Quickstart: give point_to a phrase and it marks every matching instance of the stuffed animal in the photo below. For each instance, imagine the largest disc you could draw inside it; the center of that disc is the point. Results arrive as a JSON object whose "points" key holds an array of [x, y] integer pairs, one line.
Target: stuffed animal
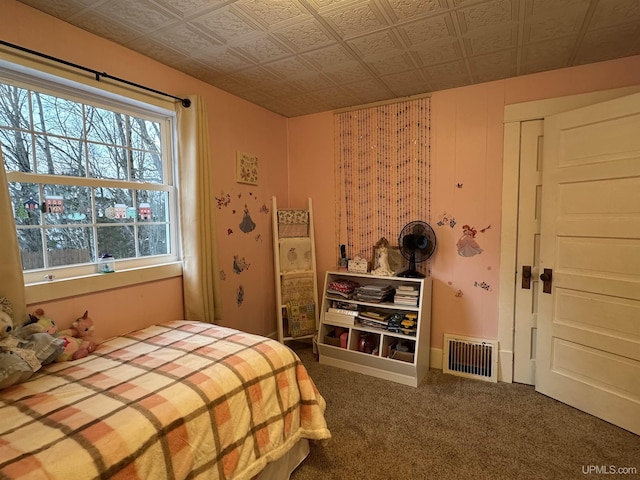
{"points": [[6, 325], [82, 328], [39, 323], [73, 348], [20, 357]]}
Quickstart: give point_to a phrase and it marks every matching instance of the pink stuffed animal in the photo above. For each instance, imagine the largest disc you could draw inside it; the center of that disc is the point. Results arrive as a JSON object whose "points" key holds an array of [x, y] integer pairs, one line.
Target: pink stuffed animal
{"points": [[81, 330]]}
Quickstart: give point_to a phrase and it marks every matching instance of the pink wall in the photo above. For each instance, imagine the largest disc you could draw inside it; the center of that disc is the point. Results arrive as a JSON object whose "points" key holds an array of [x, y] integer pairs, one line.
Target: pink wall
{"points": [[311, 175], [467, 144], [121, 310], [235, 125]]}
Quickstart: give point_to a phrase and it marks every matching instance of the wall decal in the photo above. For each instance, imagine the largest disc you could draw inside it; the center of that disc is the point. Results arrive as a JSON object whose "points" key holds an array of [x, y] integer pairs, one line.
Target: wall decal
{"points": [[247, 225], [229, 231], [240, 295], [482, 230], [31, 205], [76, 216], [259, 238], [53, 204], [264, 209], [467, 245], [144, 211], [483, 285], [223, 275], [224, 200], [459, 294], [444, 219], [246, 168], [459, 185], [239, 264]]}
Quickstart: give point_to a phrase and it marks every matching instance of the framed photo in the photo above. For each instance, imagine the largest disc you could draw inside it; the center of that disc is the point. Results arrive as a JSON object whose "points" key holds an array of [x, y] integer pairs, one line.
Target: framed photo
{"points": [[396, 260], [246, 168]]}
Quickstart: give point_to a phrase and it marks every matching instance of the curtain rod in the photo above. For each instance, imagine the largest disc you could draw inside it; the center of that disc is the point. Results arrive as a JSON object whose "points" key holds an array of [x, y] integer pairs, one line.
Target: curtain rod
{"points": [[185, 101]]}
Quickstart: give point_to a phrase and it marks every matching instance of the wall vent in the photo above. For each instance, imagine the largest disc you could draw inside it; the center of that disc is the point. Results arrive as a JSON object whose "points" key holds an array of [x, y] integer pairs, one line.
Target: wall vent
{"points": [[470, 357]]}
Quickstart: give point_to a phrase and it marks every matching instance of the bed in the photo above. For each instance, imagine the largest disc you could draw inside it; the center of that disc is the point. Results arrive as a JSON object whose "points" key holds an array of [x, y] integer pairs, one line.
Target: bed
{"points": [[177, 400]]}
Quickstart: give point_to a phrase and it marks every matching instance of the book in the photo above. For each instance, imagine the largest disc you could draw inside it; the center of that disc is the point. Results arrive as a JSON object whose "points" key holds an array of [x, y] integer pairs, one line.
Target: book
{"points": [[407, 291], [374, 315], [406, 302], [339, 319], [343, 311]]}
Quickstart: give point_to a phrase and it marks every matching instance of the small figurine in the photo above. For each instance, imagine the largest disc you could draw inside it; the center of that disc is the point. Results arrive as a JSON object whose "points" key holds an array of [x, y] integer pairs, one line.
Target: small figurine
{"points": [[383, 269]]}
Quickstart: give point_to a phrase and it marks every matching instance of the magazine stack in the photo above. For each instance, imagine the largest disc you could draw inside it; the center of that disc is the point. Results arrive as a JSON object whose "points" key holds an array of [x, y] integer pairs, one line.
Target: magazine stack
{"points": [[406, 295]]}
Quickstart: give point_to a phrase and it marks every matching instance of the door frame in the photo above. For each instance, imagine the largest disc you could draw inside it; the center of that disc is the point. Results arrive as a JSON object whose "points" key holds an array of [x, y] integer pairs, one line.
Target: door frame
{"points": [[513, 116]]}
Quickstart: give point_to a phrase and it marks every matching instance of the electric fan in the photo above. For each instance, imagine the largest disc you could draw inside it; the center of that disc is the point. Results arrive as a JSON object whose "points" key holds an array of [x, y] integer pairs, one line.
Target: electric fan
{"points": [[417, 242]]}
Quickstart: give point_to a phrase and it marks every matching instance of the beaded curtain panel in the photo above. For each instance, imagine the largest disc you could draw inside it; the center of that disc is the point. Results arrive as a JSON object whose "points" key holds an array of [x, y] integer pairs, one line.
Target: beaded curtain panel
{"points": [[383, 164]]}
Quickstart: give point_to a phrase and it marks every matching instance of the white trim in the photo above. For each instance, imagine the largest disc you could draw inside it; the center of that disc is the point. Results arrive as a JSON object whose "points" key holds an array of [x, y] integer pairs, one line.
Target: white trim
{"points": [[551, 106], [505, 366], [57, 289], [435, 358], [513, 115], [508, 244]]}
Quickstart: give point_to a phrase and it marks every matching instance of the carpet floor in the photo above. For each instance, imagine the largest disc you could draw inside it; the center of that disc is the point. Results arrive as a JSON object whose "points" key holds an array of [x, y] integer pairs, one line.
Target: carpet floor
{"points": [[457, 428]]}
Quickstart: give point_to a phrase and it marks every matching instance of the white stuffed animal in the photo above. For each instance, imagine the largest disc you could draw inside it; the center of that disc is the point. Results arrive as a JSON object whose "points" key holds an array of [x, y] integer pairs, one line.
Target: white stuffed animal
{"points": [[20, 357]]}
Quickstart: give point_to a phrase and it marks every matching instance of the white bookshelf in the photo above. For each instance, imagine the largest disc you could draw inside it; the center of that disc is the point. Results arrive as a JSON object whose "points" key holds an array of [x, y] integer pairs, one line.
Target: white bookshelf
{"points": [[405, 368]]}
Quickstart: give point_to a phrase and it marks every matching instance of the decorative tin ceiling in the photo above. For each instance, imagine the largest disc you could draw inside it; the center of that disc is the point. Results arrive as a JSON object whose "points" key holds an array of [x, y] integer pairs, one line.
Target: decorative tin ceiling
{"points": [[296, 57]]}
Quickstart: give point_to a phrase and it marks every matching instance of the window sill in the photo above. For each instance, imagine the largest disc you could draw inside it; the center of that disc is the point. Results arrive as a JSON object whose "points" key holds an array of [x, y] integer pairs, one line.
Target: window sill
{"points": [[57, 289]]}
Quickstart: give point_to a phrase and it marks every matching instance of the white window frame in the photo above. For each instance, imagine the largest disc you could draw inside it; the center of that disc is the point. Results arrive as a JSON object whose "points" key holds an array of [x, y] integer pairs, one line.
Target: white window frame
{"points": [[59, 282]]}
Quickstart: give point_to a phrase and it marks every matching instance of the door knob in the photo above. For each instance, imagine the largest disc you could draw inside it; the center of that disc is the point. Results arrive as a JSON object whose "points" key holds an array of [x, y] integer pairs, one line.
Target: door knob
{"points": [[546, 278]]}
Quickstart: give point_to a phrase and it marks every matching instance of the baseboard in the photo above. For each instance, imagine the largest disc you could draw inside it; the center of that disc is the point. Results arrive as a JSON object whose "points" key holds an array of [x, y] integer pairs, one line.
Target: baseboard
{"points": [[435, 358], [505, 366]]}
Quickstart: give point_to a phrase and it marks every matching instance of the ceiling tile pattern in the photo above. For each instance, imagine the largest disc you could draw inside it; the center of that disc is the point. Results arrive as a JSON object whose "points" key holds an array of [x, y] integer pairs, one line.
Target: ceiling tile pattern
{"points": [[297, 57]]}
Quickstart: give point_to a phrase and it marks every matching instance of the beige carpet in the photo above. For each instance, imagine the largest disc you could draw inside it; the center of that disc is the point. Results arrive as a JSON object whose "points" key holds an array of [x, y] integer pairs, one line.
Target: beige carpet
{"points": [[456, 428]]}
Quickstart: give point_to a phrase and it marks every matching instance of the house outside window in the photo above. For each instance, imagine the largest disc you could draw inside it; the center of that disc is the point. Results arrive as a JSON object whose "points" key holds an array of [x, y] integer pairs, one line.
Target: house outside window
{"points": [[87, 175]]}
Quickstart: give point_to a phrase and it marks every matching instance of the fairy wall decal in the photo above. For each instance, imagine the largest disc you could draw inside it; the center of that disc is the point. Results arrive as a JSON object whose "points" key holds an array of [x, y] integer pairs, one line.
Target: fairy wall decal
{"points": [[467, 245]]}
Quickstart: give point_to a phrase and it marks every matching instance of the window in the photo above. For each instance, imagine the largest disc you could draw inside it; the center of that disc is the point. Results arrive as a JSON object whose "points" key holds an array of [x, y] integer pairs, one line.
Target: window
{"points": [[88, 175]]}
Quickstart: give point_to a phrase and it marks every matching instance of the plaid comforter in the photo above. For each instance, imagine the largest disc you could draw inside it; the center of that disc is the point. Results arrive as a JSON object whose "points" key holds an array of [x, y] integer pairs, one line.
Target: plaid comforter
{"points": [[177, 400]]}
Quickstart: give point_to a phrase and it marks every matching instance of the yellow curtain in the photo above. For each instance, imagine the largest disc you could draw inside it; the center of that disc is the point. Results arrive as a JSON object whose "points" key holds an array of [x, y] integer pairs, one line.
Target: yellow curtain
{"points": [[199, 245], [11, 278]]}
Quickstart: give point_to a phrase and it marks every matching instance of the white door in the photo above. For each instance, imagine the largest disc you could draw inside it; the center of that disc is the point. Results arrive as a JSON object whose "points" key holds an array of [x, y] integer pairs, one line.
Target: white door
{"points": [[588, 341], [528, 253]]}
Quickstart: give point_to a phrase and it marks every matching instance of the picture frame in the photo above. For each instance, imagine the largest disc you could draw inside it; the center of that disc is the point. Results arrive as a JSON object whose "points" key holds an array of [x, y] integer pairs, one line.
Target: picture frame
{"points": [[246, 168], [396, 260]]}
